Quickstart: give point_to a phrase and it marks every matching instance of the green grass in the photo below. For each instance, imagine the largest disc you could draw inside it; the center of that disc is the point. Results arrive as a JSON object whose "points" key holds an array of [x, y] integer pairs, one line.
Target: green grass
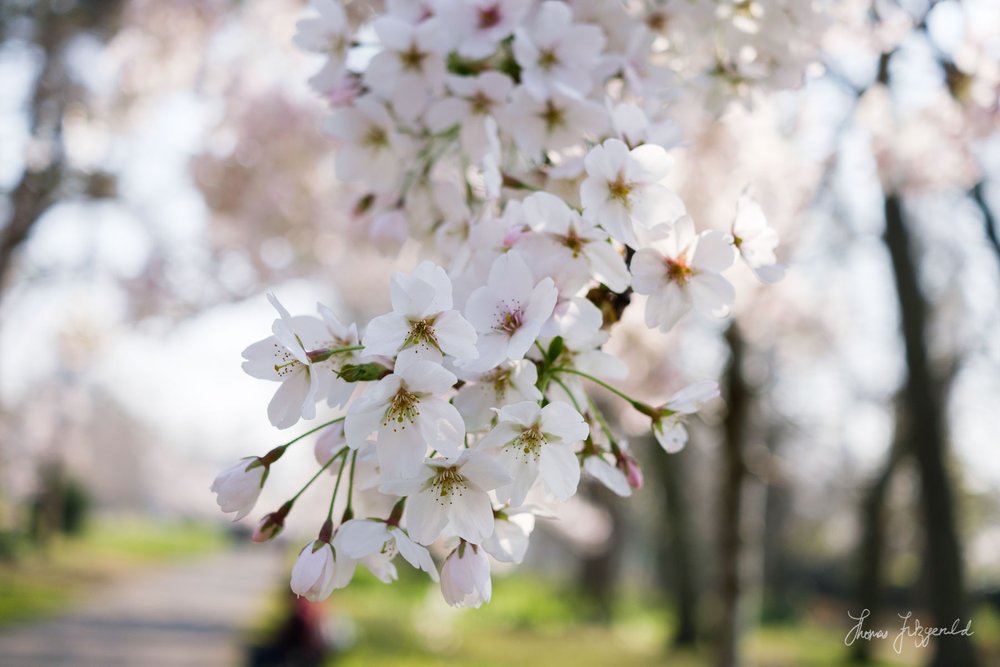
{"points": [[535, 623], [43, 582]]}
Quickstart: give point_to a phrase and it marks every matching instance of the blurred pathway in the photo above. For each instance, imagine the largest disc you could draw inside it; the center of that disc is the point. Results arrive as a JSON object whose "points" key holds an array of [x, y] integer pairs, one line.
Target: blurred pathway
{"points": [[192, 614]]}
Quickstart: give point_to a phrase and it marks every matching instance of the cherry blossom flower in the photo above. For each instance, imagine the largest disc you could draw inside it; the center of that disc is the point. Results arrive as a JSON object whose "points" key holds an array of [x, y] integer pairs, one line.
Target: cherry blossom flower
{"points": [[532, 443], [554, 53], [622, 191], [512, 528], [319, 570], [303, 356], [473, 100], [422, 322], [682, 271], [578, 243], [410, 415], [555, 122], [509, 311], [360, 538], [510, 382], [756, 240], [372, 150], [669, 429], [329, 34], [452, 496], [480, 25], [411, 66], [238, 486], [465, 577]]}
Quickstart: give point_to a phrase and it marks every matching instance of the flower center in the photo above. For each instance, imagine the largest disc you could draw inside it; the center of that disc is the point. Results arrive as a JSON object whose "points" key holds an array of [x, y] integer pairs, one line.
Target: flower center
{"points": [[404, 407], [619, 190], [678, 271], [528, 444], [489, 17], [553, 116], [412, 59], [510, 319], [422, 333], [375, 137], [447, 484], [548, 59], [573, 241], [480, 104], [285, 361], [500, 379]]}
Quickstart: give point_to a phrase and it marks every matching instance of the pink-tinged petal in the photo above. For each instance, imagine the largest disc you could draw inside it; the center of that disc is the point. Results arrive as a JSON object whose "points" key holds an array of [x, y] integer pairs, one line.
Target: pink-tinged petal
{"points": [[525, 472], [593, 193], [441, 426], [291, 398], [483, 471], [648, 271], [648, 163], [608, 475], [359, 538], [446, 113], [547, 212], [608, 265], [713, 253], [559, 470], [471, 516], [671, 435], [511, 277], [769, 274], [712, 294], [385, 335], [260, 359], [401, 450], [481, 309], [563, 422], [422, 376], [414, 554], [523, 414], [690, 398], [455, 335], [656, 205], [501, 434], [426, 516], [394, 33]]}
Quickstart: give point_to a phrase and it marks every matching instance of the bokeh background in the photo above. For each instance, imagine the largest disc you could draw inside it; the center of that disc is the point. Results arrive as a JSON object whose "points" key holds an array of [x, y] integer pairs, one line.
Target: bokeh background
{"points": [[162, 165]]}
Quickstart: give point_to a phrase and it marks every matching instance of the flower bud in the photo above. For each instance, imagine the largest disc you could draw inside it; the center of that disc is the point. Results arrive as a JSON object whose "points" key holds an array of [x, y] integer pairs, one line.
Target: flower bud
{"points": [[465, 577], [238, 487], [633, 473], [271, 524], [317, 571]]}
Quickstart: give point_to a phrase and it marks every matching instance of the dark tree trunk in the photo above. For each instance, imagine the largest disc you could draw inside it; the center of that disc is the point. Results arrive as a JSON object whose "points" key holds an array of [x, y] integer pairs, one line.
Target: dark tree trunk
{"points": [[871, 551], [926, 441], [738, 397], [676, 546], [599, 570]]}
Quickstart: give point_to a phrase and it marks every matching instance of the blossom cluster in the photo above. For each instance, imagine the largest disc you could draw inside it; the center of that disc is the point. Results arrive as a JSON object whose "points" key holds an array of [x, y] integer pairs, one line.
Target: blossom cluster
{"points": [[524, 147]]}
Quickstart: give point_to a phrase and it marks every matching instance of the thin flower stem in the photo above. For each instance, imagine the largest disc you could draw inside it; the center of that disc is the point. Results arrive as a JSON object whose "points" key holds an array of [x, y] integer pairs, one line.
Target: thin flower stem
{"points": [[639, 405], [349, 511], [336, 485], [572, 398], [278, 451], [313, 430], [317, 356], [599, 416], [318, 473]]}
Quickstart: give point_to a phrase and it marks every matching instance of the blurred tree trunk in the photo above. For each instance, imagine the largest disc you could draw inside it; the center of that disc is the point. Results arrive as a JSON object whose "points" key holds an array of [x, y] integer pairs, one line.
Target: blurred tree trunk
{"points": [[599, 571], [738, 397], [778, 604], [676, 545], [871, 552], [926, 441]]}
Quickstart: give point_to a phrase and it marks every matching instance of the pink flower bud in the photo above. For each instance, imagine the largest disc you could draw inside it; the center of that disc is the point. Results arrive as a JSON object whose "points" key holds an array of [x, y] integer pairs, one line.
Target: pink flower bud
{"points": [[632, 472]]}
